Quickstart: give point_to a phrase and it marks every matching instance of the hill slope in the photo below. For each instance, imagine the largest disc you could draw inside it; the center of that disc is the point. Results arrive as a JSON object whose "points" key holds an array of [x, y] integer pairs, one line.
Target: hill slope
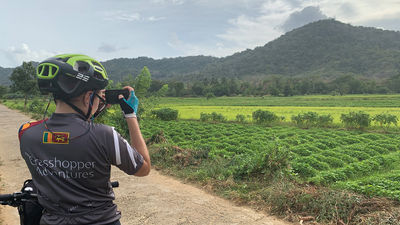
{"points": [[326, 47], [160, 69]]}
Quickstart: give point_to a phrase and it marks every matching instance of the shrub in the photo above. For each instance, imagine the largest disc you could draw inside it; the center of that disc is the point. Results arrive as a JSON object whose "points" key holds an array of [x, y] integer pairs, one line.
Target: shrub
{"points": [[37, 106], [385, 119], [325, 120], [215, 117], [264, 117], [205, 116], [209, 95], [312, 119], [240, 118], [270, 161], [356, 120], [165, 114], [306, 119]]}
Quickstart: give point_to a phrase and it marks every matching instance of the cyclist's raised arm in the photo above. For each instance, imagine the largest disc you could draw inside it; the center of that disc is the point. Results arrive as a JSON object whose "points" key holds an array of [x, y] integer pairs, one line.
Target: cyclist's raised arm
{"points": [[129, 107], [139, 144]]}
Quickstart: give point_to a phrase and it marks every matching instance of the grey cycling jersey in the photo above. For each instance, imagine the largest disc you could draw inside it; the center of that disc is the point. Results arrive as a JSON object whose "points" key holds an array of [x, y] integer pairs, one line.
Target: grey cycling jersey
{"points": [[73, 175]]}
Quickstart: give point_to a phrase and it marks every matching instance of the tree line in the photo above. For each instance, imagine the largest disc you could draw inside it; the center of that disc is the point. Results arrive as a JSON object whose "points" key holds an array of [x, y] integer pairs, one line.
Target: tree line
{"points": [[280, 86], [23, 84]]}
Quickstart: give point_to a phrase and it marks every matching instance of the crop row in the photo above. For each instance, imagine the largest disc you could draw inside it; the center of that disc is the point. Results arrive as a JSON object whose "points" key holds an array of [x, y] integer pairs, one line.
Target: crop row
{"points": [[384, 184], [314, 152]]}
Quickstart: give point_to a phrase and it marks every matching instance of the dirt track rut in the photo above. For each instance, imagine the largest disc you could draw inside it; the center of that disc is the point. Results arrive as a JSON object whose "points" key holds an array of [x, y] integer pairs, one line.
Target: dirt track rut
{"points": [[155, 199]]}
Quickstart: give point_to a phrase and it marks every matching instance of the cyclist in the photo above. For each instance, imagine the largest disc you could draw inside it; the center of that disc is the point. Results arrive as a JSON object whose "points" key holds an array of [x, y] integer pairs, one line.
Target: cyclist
{"points": [[68, 156]]}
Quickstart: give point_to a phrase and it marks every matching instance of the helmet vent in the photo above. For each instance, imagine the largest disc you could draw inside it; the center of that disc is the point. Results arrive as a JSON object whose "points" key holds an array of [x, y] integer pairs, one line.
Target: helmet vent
{"points": [[81, 66], [97, 64], [64, 59], [45, 71], [97, 74]]}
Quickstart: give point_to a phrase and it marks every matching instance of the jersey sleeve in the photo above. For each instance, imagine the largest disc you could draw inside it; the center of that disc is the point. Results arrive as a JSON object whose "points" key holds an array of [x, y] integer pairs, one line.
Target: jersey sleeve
{"points": [[26, 126], [122, 154]]}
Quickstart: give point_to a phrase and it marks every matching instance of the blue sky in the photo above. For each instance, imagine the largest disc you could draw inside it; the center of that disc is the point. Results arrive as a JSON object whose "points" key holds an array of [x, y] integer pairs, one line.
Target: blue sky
{"points": [[107, 29]]}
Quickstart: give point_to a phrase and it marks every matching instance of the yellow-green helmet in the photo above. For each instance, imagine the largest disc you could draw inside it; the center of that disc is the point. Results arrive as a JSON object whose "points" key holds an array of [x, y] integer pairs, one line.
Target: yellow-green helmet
{"points": [[69, 75]]}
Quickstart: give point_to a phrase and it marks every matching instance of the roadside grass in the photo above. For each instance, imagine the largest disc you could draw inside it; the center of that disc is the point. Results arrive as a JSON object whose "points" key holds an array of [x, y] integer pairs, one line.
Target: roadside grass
{"points": [[35, 107], [276, 193]]}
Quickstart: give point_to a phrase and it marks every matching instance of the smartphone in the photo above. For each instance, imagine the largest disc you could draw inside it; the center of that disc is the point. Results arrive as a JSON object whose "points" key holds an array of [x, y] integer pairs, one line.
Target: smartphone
{"points": [[112, 95]]}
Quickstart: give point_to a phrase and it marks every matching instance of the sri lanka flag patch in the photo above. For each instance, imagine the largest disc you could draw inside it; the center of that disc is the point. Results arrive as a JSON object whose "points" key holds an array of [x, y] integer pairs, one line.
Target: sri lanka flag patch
{"points": [[55, 137]]}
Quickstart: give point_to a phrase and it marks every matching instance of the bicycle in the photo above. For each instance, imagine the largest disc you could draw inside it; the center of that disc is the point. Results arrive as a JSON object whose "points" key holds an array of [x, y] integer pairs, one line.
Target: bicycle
{"points": [[29, 209]]}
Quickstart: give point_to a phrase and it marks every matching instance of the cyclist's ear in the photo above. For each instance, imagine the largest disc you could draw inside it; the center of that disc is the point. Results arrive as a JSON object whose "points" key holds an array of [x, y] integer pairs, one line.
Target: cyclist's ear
{"points": [[86, 97]]}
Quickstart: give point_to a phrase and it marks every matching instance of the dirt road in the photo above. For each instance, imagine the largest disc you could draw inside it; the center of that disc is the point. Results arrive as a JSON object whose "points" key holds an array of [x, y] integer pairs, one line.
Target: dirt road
{"points": [[155, 199]]}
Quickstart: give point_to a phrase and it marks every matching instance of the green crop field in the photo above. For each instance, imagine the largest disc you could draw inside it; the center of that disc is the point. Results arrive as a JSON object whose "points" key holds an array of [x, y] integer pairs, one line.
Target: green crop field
{"points": [[230, 112], [363, 162], [385, 101], [191, 108]]}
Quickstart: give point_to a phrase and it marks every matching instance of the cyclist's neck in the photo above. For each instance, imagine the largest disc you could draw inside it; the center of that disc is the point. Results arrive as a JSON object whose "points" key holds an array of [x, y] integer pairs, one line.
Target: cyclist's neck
{"points": [[62, 107]]}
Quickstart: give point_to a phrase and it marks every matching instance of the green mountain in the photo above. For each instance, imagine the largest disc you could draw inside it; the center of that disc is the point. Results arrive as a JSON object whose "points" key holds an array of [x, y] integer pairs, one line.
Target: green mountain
{"points": [[327, 48], [162, 69]]}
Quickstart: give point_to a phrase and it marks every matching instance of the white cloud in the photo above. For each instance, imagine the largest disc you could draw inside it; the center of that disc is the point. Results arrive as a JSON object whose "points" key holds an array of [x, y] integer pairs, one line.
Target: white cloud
{"points": [[299, 18], [128, 17], [362, 11], [104, 47], [174, 2], [153, 18], [17, 55], [276, 7], [110, 48], [245, 31], [122, 16], [249, 32], [217, 49]]}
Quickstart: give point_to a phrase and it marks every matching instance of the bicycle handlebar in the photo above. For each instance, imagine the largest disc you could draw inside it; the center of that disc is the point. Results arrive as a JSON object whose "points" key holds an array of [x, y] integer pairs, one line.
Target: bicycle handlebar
{"points": [[6, 197], [16, 198], [115, 184]]}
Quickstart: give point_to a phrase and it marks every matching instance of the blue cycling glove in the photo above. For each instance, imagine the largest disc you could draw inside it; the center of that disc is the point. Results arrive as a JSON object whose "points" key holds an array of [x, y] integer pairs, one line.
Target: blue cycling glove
{"points": [[130, 106]]}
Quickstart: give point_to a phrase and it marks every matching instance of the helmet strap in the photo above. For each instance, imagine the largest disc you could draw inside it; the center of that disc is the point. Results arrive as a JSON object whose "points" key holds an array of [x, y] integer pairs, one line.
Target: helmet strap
{"points": [[78, 110], [90, 104]]}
